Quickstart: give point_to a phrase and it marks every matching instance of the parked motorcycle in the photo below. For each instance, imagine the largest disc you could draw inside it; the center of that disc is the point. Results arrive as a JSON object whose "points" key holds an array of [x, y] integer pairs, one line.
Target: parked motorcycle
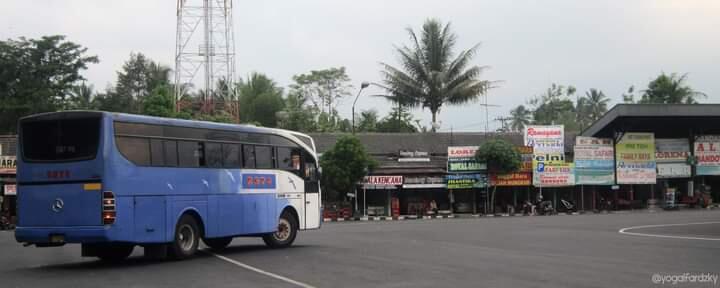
{"points": [[545, 208], [567, 206]]}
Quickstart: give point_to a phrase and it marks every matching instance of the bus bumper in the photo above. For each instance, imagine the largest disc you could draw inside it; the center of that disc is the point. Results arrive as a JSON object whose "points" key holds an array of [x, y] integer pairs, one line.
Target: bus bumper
{"points": [[55, 236]]}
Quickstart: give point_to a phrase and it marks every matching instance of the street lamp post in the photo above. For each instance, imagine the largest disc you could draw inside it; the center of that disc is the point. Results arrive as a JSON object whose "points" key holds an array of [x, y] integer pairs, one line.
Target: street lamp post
{"points": [[363, 85]]}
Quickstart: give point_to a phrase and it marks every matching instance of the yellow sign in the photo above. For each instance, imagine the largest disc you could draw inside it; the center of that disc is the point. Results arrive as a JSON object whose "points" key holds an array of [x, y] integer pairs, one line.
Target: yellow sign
{"points": [[8, 164]]}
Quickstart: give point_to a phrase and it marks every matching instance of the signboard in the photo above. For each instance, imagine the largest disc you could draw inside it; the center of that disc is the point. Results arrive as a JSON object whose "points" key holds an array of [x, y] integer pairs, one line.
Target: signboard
{"points": [[635, 159], [671, 156], [707, 153], [466, 181], [556, 175], [462, 160], [526, 152], [673, 170], [10, 190], [424, 182], [258, 181], [413, 156], [8, 164], [594, 161], [671, 150], [383, 180], [550, 138], [512, 179]]}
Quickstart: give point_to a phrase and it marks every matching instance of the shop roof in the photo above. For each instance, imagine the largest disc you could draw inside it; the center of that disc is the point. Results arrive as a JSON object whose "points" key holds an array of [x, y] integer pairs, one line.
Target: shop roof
{"points": [[665, 120]]}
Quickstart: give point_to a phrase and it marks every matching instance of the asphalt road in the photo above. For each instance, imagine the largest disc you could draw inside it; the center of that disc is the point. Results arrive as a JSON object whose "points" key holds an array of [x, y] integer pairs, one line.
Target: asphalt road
{"points": [[550, 251]]}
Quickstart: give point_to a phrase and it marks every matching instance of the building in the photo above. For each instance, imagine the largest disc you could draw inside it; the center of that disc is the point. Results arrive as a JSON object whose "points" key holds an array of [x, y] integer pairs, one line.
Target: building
{"points": [[8, 160]]}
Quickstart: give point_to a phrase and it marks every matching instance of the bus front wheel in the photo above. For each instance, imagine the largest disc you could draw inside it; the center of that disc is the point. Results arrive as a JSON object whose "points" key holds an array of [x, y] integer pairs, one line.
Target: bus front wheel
{"points": [[187, 236], [286, 232], [217, 243]]}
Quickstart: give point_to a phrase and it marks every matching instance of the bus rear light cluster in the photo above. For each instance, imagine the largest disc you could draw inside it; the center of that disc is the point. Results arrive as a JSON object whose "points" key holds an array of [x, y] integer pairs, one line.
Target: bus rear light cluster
{"points": [[108, 205]]}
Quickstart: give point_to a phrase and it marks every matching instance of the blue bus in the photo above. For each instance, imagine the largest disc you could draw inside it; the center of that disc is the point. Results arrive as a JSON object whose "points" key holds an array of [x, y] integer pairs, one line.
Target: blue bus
{"points": [[112, 181]]}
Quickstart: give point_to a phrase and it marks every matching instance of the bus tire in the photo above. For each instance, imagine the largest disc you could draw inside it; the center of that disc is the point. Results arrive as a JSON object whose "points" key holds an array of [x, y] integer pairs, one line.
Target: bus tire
{"points": [[114, 253], [286, 233], [217, 243], [186, 239]]}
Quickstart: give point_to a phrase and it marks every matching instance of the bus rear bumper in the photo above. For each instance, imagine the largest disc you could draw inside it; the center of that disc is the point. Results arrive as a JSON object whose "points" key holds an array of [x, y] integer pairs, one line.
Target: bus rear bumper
{"points": [[55, 236]]}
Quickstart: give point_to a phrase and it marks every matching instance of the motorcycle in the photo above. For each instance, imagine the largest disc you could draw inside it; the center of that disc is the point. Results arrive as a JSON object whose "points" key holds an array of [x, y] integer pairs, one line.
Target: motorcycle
{"points": [[545, 208], [567, 206]]}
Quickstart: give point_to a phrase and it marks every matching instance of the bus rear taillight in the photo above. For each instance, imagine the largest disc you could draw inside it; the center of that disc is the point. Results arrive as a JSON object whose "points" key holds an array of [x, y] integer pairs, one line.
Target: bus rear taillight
{"points": [[108, 211]]}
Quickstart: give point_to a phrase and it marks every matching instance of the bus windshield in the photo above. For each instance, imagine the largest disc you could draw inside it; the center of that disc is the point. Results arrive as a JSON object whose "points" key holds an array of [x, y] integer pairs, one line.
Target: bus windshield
{"points": [[60, 140]]}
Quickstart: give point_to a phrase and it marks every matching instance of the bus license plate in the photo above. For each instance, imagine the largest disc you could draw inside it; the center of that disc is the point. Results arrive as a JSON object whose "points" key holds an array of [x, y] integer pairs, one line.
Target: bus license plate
{"points": [[57, 238]]}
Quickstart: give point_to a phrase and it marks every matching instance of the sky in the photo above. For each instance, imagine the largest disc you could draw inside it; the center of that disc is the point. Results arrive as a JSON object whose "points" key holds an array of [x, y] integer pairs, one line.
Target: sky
{"points": [[527, 45]]}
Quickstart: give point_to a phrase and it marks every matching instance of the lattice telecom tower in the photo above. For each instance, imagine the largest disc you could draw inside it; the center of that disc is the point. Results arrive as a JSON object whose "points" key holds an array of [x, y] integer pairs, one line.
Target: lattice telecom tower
{"points": [[205, 53]]}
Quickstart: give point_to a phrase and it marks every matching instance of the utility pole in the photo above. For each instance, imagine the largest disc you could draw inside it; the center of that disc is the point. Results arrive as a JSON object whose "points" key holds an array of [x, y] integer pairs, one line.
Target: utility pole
{"points": [[503, 122]]}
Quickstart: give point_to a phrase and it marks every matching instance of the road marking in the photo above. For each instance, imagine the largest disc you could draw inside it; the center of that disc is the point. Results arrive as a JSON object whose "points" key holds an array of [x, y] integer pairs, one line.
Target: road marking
{"points": [[624, 231], [263, 272]]}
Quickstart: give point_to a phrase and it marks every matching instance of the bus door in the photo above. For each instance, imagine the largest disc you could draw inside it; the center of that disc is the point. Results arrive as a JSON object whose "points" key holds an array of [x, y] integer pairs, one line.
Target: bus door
{"points": [[312, 192]]}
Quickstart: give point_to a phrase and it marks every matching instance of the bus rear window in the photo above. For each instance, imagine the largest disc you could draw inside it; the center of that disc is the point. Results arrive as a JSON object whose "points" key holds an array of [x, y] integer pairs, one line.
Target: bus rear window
{"points": [[60, 140]]}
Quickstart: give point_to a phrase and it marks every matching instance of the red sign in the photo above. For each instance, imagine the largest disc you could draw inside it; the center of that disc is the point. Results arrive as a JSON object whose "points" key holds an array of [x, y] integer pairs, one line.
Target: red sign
{"points": [[462, 152], [512, 179], [58, 174]]}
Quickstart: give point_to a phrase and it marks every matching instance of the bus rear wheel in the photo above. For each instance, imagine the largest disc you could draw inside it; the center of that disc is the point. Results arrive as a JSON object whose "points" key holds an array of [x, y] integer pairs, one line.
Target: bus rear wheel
{"points": [[286, 232], [217, 243], [187, 237], [114, 253]]}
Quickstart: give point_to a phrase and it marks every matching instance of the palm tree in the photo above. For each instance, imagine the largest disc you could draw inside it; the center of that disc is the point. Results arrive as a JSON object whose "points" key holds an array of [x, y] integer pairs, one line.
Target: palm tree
{"points": [[81, 97], [519, 118], [597, 104], [670, 89], [429, 77]]}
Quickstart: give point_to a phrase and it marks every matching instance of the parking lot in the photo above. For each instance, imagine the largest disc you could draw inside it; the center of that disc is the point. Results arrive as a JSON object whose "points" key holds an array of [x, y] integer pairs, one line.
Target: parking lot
{"points": [[553, 251]]}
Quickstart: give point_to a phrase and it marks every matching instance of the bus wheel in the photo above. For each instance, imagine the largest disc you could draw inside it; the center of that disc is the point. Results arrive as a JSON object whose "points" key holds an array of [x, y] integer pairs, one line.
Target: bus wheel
{"points": [[217, 243], [285, 234], [114, 253], [187, 236]]}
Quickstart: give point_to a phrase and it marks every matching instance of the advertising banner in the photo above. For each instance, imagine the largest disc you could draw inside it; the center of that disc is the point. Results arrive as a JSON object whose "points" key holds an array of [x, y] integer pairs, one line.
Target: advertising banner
{"points": [[526, 152], [466, 181], [707, 153], [671, 156], [594, 161], [8, 164], [512, 179], [462, 160], [10, 189], [635, 159], [383, 180], [557, 175], [549, 138]]}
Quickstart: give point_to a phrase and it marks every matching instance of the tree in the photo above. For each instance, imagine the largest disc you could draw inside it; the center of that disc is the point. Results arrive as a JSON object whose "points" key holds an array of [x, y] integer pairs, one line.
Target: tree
{"points": [[399, 120], [81, 97], [629, 96], [519, 118], [138, 78], [597, 103], [670, 89], [501, 157], [368, 121], [429, 76], [344, 165], [323, 87], [159, 103], [36, 75], [555, 107], [296, 115], [260, 100]]}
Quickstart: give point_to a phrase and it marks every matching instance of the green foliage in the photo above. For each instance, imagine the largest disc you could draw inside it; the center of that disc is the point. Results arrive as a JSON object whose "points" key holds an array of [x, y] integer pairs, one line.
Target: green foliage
{"points": [[218, 116], [554, 106], [296, 115], [519, 118], [344, 165], [500, 156], [81, 98], [260, 100], [591, 107], [137, 80], [368, 121], [323, 87], [429, 76], [159, 103], [37, 75], [670, 89]]}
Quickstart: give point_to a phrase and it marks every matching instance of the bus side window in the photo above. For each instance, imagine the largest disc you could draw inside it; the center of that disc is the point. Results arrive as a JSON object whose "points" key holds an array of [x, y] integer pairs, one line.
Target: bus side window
{"points": [[157, 155], [171, 155], [231, 155], [137, 150], [288, 159], [249, 156], [191, 154], [213, 155], [310, 169], [264, 157]]}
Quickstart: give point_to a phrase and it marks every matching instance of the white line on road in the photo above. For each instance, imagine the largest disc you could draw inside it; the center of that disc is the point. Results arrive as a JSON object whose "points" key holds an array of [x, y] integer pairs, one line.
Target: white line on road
{"points": [[624, 231], [263, 272]]}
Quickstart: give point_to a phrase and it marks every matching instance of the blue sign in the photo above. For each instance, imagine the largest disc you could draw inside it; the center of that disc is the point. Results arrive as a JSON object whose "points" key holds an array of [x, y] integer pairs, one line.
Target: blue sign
{"points": [[258, 181]]}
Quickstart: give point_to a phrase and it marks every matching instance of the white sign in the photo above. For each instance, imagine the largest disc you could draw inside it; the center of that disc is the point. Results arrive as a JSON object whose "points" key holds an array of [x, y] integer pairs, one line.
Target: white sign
{"points": [[383, 180], [462, 151], [671, 150], [548, 138], [10, 189], [673, 170]]}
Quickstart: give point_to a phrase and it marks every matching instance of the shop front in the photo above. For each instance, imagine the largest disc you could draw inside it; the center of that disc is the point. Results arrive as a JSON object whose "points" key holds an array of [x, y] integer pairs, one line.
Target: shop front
{"points": [[8, 193], [376, 193], [419, 192], [466, 181]]}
